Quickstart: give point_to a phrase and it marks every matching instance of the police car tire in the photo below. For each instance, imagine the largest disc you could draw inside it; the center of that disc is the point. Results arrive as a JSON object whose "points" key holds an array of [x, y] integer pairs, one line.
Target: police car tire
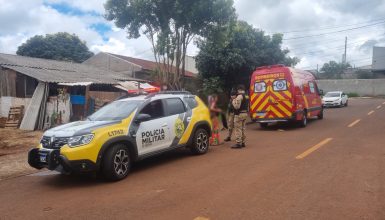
{"points": [[116, 162], [201, 136]]}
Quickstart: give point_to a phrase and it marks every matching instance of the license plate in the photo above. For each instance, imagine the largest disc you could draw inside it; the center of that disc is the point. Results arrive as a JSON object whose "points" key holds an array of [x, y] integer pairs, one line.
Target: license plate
{"points": [[43, 158], [260, 114]]}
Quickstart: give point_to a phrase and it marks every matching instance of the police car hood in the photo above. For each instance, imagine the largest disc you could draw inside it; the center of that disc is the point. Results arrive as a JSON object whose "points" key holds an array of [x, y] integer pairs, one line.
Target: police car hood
{"points": [[77, 128], [331, 98]]}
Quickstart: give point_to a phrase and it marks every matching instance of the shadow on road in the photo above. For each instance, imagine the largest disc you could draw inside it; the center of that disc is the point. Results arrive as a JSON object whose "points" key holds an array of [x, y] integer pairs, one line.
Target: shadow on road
{"points": [[57, 180], [279, 126]]}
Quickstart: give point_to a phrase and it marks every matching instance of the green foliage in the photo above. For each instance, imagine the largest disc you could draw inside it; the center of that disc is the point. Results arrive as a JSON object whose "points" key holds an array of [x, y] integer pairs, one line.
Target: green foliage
{"points": [[212, 85], [333, 70], [170, 25], [233, 53], [364, 74], [352, 94], [60, 46]]}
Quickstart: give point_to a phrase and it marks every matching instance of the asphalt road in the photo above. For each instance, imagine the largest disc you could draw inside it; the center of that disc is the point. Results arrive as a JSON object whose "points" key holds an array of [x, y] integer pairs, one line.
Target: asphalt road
{"points": [[332, 169]]}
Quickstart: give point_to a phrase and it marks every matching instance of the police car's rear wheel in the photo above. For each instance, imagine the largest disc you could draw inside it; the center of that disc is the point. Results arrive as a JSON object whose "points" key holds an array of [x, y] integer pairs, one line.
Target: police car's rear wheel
{"points": [[201, 142], [116, 163]]}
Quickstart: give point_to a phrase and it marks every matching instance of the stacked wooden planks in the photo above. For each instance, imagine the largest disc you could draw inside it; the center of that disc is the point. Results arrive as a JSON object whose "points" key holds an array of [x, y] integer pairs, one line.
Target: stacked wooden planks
{"points": [[14, 117]]}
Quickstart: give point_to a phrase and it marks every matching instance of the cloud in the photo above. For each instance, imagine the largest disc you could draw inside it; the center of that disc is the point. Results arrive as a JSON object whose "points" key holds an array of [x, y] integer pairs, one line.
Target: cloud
{"points": [[305, 17]]}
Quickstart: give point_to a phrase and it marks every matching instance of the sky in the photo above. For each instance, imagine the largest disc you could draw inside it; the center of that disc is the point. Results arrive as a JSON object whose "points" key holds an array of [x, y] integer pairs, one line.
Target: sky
{"points": [[314, 31]]}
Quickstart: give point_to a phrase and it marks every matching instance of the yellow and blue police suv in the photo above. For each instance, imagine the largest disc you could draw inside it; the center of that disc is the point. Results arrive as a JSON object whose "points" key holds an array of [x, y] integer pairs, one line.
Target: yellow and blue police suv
{"points": [[125, 131]]}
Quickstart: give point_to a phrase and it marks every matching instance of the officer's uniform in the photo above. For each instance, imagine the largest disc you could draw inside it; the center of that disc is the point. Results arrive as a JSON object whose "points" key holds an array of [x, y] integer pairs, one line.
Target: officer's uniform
{"points": [[240, 106], [230, 121]]}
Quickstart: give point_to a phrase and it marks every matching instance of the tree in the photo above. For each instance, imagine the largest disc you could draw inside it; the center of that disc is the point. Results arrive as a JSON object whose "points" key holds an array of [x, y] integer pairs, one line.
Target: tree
{"points": [[233, 53], [60, 46], [333, 70], [170, 25]]}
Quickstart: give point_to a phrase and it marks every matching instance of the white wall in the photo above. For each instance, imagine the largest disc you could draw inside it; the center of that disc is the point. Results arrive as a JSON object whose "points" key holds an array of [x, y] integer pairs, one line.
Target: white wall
{"points": [[363, 87], [63, 106], [6, 102]]}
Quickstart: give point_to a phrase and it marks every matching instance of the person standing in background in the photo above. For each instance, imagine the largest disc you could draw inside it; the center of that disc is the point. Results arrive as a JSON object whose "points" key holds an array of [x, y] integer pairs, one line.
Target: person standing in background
{"points": [[214, 113], [240, 106], [231, 110]]}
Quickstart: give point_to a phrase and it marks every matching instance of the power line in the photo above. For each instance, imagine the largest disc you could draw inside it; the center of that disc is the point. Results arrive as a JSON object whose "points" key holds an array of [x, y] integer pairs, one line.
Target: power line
{"points": [[333, 32], [326, 48], [330, 27]]}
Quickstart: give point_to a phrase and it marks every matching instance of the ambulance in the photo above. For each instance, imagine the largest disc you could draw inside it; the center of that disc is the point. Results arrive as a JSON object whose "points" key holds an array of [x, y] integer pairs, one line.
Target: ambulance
{"points": [[284, 94]]}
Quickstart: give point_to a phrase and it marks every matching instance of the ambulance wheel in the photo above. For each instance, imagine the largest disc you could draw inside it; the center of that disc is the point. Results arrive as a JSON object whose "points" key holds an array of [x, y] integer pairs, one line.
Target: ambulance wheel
{"points": [[263, 125], [116, 162], [321, 114], [346, 103], [201, 142], [303, 122]]}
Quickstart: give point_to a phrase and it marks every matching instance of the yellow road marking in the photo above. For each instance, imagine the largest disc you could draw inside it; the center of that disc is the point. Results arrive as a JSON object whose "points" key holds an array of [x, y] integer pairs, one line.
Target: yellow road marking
{"points": [[201, 218], [354, 123], [371, 112], [314, 148], [378, 107]]}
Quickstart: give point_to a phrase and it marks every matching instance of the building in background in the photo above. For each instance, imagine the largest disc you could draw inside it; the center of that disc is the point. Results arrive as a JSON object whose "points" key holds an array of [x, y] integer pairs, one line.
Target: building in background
{"points": [[142, 69], [378, 62], [54, 92]]}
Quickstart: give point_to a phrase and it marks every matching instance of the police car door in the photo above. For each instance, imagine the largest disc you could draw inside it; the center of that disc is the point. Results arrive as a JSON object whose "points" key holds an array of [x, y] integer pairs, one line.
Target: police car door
{"points": [[154, 134], [177, 119]]}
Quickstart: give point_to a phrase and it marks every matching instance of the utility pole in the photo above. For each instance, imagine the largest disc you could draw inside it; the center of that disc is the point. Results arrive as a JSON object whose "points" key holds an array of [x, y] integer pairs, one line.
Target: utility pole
{"points": [[344, 56]]}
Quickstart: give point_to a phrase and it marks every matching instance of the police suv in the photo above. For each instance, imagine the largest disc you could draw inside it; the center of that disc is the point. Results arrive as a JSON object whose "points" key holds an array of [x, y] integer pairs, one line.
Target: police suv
{"points": [[125, 131]]}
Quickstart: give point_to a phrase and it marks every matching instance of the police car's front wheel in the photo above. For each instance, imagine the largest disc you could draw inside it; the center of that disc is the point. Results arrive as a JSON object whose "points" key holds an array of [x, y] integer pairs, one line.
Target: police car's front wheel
{"points": [[116, 163], [201, 142]]}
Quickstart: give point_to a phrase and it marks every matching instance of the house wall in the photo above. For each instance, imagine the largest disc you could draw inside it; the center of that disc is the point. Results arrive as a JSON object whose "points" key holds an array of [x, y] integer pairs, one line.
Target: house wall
{"points": [[16, 84], [6, 102], [109, 62], [58, 106], [105, 96], [7, 82], [190, 64], [363, 87]]}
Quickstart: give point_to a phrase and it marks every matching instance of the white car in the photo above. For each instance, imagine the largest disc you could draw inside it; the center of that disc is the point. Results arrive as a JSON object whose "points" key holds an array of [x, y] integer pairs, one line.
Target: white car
{"points": [[335, 98]]}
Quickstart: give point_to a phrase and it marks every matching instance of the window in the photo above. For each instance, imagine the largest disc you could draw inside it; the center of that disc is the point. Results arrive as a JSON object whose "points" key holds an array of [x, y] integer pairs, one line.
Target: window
{"points": [[175, 106], [260, 87], [115, 111], [280, 85], [191, 102], [312, 87], [154, 109]]}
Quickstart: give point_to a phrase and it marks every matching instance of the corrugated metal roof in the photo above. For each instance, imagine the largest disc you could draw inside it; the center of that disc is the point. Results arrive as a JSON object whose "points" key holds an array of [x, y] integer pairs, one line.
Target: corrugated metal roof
{"points": [[60, 71]]}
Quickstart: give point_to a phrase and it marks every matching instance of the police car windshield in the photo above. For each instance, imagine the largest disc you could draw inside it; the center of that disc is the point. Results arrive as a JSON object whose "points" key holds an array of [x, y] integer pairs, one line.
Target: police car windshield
{"points": [[333, 94], [115, 111]]}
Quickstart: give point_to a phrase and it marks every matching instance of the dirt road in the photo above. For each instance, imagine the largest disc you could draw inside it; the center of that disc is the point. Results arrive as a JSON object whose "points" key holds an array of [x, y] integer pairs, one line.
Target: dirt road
{"points": [[14, 145], [333, 169]]}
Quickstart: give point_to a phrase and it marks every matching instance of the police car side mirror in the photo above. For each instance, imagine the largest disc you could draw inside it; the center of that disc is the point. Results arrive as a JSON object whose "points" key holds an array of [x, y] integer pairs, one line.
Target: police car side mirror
{"points": [[142, 117]]}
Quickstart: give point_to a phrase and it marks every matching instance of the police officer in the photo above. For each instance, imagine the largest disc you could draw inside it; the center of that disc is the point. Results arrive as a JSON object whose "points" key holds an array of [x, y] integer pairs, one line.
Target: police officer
{"points": [[231, 110], [240, 111]]}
